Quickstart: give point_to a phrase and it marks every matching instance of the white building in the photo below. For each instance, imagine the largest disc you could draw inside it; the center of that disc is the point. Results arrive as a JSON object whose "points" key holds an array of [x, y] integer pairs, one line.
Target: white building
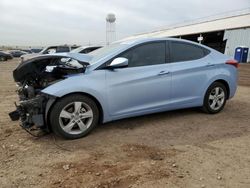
{"points": [[221, 32]]}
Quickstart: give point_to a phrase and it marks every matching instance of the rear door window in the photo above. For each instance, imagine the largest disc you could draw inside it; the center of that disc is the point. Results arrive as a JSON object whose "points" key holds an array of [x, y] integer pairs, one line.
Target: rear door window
{"points": [[183, 51]]}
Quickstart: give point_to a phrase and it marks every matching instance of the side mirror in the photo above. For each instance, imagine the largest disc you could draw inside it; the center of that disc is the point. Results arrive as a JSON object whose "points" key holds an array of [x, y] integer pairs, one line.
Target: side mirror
{"points": [[119, 62]]}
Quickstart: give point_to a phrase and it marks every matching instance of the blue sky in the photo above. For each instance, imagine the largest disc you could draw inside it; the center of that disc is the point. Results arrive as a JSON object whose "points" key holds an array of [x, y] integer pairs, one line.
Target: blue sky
{"points": [[47, 22]]}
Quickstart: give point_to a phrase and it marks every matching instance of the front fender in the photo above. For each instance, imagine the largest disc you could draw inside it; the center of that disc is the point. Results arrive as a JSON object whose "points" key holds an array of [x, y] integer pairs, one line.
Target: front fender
{"points": [[92, 84]]}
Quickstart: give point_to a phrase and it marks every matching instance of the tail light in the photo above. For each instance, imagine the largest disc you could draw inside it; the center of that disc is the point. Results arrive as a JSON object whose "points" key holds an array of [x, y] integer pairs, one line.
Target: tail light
{"points": [[233, 62]]}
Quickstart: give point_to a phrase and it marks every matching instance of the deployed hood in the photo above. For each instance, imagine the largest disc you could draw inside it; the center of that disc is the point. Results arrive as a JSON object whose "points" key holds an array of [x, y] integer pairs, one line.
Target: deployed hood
{"points": [[77, 56], [26, 57], [59, 64]]}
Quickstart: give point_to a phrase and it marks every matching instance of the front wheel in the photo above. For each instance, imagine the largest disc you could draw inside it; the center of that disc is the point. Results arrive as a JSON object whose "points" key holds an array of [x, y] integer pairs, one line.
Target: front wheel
{"points": [[74, 116], [215, 98]]}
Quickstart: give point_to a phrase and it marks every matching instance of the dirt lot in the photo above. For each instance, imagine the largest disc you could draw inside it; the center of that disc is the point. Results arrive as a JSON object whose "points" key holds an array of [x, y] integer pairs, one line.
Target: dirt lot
{"points": [[184, 148]]}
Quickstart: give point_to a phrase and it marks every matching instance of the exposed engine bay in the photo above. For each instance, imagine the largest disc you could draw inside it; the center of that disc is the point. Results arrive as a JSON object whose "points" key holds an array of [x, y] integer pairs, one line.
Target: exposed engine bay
{"points": [[34, 75]]}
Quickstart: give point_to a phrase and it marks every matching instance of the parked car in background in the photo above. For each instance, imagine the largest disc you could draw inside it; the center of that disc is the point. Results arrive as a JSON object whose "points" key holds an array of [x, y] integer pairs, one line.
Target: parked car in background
{"points": [[70, 93], [28, 51], [57, 49], [50, 50], [85, 49], [4, 56], [36, 50], [17, 53]]}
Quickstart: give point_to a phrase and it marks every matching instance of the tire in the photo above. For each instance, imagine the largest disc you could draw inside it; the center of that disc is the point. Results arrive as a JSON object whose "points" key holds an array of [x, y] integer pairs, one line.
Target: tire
{"points": [[74, 116], [3, 58], [215, 98]]}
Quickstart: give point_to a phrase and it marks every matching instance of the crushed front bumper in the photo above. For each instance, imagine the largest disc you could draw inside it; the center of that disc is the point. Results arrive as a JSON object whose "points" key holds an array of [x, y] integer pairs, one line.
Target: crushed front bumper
{"points": [[31, 112]]}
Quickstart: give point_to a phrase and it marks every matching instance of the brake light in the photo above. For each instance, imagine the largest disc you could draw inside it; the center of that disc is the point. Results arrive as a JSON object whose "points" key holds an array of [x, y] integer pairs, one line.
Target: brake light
{"points": [[233, 62]]}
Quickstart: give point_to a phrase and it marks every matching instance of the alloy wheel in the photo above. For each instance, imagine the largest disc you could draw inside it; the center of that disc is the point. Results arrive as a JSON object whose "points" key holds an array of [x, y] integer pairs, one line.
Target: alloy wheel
{"points": [[216, 98], [76, 117]]}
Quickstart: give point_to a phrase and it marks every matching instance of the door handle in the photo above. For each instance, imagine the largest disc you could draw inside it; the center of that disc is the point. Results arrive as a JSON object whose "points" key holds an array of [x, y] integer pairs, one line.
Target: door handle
{"points": [[163, 73]]}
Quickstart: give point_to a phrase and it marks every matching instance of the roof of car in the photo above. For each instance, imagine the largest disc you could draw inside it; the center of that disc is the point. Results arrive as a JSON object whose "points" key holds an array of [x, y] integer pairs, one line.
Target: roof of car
{"points": [[149, 39], [152, 39], [84, 47]]}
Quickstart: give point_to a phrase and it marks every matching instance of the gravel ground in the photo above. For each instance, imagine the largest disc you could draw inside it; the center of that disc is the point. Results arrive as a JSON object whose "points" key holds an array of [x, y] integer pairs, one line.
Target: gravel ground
{"points": [[184, 148]]}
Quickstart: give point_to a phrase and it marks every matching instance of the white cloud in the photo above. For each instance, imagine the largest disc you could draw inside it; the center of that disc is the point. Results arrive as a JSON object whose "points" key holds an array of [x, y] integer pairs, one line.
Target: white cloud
{"points": [[45, 22]]}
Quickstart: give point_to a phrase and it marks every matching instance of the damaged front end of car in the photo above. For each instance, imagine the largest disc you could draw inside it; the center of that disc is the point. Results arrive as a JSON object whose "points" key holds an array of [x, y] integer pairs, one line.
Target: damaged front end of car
{"points": [[30, 111], [34, 75]]}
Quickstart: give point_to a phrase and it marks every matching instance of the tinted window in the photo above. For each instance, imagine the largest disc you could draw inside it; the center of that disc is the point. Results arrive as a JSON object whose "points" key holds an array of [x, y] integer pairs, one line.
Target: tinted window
{"points": [[181, 51], [147, 54], [62, 49], [50, 50]]}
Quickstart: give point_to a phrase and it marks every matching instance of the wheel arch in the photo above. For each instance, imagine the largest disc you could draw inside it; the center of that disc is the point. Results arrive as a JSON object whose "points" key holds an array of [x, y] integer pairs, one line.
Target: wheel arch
{"points": [[53, 101], [206, 106], [225, 83], [222, 81]]}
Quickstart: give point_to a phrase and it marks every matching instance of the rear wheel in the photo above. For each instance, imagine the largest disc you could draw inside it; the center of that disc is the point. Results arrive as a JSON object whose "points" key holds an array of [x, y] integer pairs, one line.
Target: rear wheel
{"points": [[215, 98], [74, 116]]}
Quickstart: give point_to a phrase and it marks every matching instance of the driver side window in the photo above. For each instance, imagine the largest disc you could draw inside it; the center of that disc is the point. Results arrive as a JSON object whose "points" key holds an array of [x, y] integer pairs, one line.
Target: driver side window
{"points": [[146, 54]]}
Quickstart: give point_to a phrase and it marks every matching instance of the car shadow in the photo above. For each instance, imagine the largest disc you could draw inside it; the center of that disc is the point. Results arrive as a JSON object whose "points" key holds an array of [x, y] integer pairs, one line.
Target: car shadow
{"points": [[179, 127]]}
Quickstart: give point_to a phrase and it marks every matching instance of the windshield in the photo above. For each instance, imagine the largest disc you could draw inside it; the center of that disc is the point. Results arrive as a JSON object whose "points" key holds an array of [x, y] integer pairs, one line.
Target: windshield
{"points": [[103, 52]]}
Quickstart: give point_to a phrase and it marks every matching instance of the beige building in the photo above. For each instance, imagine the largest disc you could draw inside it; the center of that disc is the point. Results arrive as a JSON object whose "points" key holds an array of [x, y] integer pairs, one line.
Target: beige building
{"points": [[222, 32]]}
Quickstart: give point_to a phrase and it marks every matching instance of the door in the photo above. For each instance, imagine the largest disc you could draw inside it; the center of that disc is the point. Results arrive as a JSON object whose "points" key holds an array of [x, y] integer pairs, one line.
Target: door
{"points": [[143, 86], [191, 65]]}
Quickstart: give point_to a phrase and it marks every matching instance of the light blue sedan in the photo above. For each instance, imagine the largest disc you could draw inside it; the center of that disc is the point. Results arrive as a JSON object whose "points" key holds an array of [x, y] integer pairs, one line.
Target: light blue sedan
{"points": [[126, 79]]}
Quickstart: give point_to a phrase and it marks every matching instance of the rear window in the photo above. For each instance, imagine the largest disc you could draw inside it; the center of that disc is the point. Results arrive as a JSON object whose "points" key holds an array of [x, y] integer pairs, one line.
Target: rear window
{"points": [[182, 51]]}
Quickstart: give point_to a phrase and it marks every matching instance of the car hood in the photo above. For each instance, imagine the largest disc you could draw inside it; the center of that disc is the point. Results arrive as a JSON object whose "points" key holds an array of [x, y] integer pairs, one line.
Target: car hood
{"points": [[77, 56], [40, 63]]}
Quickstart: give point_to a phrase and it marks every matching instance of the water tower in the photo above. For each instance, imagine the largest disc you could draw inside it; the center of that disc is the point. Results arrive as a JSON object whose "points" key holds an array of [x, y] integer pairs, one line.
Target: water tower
{"points": [[110, 28]]}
